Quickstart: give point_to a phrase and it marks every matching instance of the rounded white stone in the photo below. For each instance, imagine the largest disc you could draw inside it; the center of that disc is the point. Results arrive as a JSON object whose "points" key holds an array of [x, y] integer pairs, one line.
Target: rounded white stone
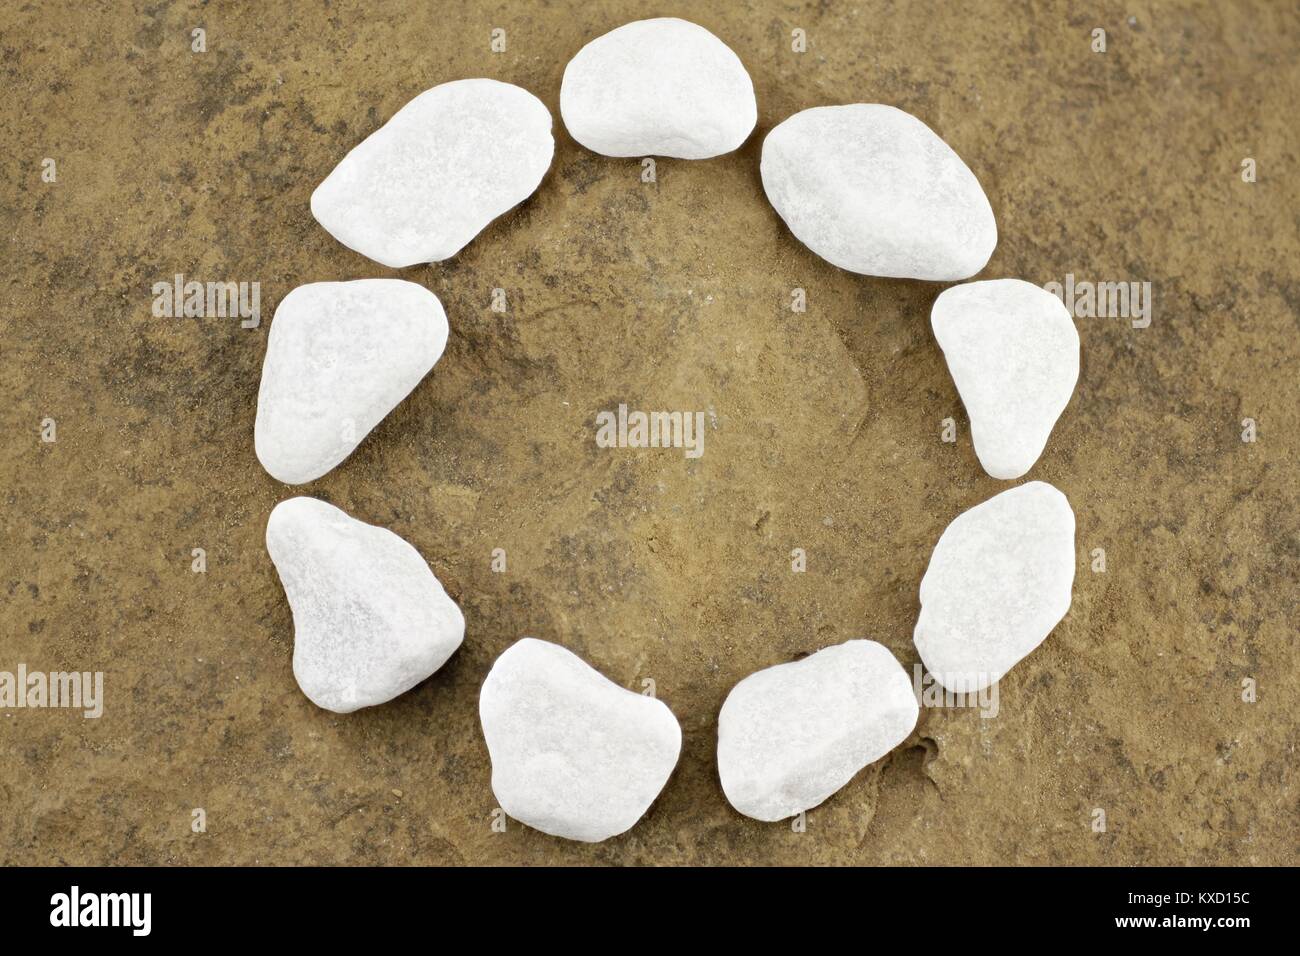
{"points": [[428, 181], [573, 754], [1000, 578], [662, 87], [791, 735], [872, 189], [370, 620], [1013, 352], [339, 357]]}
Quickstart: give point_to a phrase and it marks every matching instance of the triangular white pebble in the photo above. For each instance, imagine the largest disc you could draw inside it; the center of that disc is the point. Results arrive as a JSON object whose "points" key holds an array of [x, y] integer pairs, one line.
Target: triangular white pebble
{"points": [[661, 87], [370, 620], [1000, 578], [791, 735], [339, 357], [573, 754], [1013, 352], [872, 189], [428, 181]]}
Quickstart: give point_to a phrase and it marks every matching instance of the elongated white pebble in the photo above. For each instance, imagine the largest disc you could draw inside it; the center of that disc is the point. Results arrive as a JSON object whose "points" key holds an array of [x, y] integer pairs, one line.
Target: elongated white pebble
{"points": [[873, 190], [424, 184], [789, 736], [999, 580], [339, 357], [1013, 352]]}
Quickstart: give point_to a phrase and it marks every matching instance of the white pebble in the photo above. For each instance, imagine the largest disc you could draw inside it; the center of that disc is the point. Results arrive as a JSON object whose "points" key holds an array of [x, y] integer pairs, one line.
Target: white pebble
{"points": [[791, 735], [370, 620], [872, 189], [1013, 352], [573, 754], [339, 357], [662, 87], [999, 580], [427, 182]]}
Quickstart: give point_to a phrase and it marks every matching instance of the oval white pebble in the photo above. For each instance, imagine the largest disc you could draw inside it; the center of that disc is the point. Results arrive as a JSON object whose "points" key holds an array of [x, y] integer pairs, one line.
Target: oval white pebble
{"points": [[428, 181], [573, 754], [370, 620], [872, 189], [1013, 352], [661, 87], [339, 357], [1000, 578], [791, 735]]}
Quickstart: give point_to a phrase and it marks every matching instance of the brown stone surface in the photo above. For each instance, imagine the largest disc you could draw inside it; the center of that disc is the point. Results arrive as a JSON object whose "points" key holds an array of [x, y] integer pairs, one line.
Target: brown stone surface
{"points": [[825, 434]]}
